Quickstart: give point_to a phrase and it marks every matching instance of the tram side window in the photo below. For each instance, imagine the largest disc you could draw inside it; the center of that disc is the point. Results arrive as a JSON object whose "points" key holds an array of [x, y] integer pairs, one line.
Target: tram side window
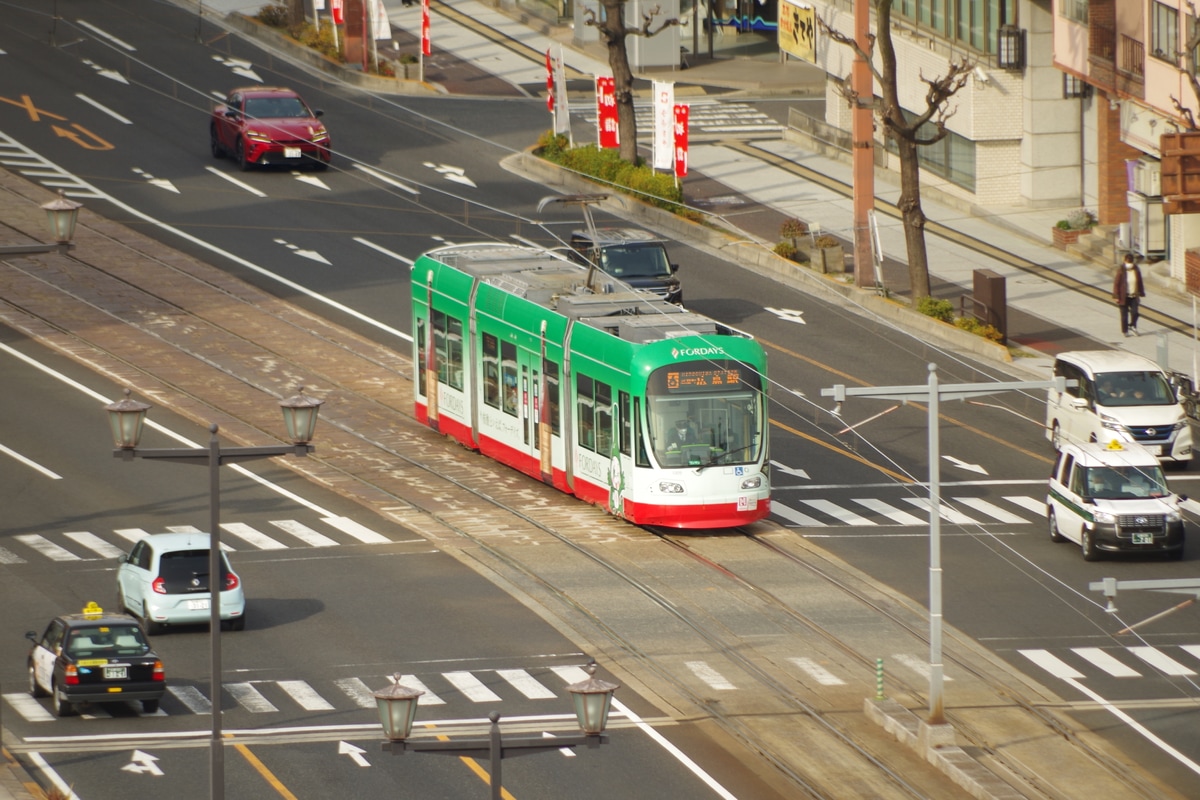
{"points": [[454, 352], [508, 376], [586, 397], [641, 459], [551, 371], [604, 418], [421, 356], [625, 422], [491, 370], [439, 344]]}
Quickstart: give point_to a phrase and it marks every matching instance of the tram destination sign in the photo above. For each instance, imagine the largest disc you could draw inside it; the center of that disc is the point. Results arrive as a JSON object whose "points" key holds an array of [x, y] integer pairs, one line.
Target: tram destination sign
{"points": [[704, 379]]}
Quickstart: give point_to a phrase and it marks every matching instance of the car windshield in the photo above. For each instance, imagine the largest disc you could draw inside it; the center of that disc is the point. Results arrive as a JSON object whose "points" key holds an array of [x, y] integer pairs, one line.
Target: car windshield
{"points": [[1146, 388], [1125, 483], [106, 641], [275, 107], [635, 261]]}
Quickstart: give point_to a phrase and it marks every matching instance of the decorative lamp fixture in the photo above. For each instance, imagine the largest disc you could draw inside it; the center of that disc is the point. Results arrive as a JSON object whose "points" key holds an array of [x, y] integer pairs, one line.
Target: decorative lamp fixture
{"points": [[397, 709], [593, 700], [300, 416], [126, 418], [1010, 47], [62, 214]]}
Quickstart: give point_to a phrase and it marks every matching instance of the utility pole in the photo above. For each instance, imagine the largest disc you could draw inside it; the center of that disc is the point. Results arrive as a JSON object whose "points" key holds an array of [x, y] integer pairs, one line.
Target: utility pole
{"points": [[862, 151]]}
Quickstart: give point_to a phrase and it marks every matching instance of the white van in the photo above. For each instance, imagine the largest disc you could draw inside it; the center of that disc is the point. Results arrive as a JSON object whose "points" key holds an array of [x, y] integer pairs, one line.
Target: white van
{"points": [[1120, 396]]}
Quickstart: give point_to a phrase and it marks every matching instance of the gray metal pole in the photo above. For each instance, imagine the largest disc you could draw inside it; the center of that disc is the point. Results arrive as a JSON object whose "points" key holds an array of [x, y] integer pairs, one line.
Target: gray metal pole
{"points": [[217, 756], [936, 706], [497, 753]]}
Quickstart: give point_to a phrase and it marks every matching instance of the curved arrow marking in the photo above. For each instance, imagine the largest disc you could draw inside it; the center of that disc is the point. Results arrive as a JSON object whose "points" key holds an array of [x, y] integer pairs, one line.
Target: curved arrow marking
{"points": [[311, 255], [787, 314], [964, 465], [142, 763]]}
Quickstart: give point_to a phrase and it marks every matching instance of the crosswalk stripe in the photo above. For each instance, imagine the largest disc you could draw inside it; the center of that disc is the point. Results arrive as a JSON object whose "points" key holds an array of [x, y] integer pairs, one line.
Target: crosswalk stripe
{"points": [[305, 695], [710, 676], [360, 532], [47, 548], [94, 543], [1106, 662], [131, 535], [250, 698], [9, 557], [1030, 503], [570, 674], [837, 512], [303, 533], [817, 672], [427, 699], [795, 517], [472, 687], [225, 548], [356, 690], [1193, 649], [1052, 664], [992, 510], [917, 665], [953, 516], [891, 512], [191, 697], [28, 707], [251, 535], [526, 684], [1161, 661]]}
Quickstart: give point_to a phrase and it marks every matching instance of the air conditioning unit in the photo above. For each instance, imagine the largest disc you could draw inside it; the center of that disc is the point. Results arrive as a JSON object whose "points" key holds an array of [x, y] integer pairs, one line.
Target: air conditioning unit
{"points": [[1124, 241], [1147, 225], [1147, 177]]}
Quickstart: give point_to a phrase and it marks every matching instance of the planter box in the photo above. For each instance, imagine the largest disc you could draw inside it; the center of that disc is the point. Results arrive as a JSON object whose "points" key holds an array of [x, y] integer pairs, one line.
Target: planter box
{"points": [[1062, 238], [828, 259]]}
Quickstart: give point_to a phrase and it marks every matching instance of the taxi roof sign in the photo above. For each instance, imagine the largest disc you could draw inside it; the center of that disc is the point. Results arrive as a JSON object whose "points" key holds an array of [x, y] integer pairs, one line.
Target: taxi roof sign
{"points": [[93, 611], [1115, 445]]}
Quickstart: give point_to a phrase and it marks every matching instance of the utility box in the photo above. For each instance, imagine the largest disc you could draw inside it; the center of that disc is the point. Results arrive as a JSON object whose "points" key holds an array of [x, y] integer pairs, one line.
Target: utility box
{"points": [[990, 301]]}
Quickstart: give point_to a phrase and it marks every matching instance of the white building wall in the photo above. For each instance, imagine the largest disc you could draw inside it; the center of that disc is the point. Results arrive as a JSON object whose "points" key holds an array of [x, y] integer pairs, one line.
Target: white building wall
{"points": [[1052, 142]]}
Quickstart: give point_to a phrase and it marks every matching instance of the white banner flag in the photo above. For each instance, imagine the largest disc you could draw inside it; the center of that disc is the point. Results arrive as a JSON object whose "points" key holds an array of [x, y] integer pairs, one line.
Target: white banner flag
{"points": [[381, 26], [664, 125]]}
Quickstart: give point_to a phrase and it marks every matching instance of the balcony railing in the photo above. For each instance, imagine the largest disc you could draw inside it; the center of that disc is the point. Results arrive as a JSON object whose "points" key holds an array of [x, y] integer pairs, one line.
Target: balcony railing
{"points": [[1132, 59], [1102, 41]]}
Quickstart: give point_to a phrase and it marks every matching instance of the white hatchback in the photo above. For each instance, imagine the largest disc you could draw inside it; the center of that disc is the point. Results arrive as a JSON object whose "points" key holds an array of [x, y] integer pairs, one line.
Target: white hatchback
{"points": [[165, 581]]}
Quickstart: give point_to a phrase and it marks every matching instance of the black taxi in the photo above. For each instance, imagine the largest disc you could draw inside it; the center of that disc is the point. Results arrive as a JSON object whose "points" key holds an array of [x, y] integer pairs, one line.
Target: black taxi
{"points": [[93, 657]]}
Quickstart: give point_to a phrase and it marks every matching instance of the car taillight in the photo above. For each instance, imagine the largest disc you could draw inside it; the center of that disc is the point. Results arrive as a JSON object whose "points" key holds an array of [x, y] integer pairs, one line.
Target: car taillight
{"points": [[231, 581], [71, 676], [159, 673], [159, 586]]}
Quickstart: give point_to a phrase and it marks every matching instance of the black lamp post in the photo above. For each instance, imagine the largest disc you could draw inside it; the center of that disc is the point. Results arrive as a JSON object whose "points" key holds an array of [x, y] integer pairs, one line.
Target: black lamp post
{"points": [[398, 709], [62, 214], [300, 418]]}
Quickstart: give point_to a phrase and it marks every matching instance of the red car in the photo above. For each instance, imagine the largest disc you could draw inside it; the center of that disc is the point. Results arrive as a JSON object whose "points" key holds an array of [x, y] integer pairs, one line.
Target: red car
{"points": [[262, 125]]}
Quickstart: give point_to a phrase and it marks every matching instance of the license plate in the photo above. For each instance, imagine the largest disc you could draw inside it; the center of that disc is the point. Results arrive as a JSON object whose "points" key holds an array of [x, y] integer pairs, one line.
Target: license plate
{"points": [[1155, 449], [197, 605], [291, 152], [1143, 538], [116, 673]]}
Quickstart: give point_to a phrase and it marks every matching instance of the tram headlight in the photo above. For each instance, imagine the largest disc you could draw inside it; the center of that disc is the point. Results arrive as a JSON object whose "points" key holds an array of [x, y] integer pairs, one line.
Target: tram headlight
{"points": [[670, 487], [752, 482]]}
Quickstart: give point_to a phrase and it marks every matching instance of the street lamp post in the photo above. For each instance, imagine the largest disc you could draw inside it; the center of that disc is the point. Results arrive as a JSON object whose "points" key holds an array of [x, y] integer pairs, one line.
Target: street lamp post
{"points": [[300, 418], [61, 214], [398, 709], [933, 393]]}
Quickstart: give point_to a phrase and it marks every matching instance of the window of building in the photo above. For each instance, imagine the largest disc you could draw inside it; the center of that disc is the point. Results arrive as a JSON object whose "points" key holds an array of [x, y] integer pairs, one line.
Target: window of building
{"points": [[1164, 32], [953, 158], [969, 22], [1074, 10]]}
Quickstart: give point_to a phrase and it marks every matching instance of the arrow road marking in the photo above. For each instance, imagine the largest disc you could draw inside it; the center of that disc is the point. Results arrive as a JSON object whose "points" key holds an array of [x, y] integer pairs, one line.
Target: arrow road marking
{"points": [[239, 67], [786, 470], [964, 465], [788, 314], [107, 73], [236, 182], [312, 255], [161, 183], [456, 174], [143, 763], [310, 180], [356, 753]]}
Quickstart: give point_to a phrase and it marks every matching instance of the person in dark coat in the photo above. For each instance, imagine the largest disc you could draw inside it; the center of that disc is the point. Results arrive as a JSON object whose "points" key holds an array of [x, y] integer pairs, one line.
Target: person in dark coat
{"points": [[1128, 290]]}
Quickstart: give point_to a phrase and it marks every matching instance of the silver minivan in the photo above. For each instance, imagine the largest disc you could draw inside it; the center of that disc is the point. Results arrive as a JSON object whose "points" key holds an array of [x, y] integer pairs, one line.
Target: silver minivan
{"points": [[1120, 396]]}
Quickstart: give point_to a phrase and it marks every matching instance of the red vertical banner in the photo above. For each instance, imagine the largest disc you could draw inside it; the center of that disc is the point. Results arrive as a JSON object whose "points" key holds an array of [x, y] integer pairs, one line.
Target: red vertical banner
{"points": [[606, 112], [335, 11], [426, 48], [549, 81], [681, 139]]}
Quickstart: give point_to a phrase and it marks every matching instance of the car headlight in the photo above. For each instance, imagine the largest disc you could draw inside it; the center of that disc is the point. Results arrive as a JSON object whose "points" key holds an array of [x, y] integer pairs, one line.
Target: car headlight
{"points": [[320, 135], [752, 482], [1174, 516], [257, 136], [1106, 517], [1111, 423], [670, 487]]}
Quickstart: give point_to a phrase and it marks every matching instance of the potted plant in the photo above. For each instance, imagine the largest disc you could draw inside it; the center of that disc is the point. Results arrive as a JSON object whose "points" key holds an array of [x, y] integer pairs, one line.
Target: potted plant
{"points": [[1067, 231], [828, 255]]}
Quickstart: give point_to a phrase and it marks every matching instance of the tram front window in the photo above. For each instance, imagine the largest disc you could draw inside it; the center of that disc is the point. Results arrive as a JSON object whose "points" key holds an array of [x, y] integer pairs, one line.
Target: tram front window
{"points": [[705, 430]]}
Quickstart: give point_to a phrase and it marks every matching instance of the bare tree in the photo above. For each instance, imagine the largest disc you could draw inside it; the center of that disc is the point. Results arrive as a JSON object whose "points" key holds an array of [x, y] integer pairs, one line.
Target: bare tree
{"points": [[908, 133], [1189, 61], [612, 31]]}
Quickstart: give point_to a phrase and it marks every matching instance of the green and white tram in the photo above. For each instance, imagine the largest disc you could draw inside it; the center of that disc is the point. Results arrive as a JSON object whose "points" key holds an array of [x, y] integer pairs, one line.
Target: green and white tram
{"points": [[634, 404]]}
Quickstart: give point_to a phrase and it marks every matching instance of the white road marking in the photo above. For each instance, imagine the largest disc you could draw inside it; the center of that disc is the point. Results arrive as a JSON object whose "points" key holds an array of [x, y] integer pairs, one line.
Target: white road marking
{"points": [[132, 535], [236, 182], [795, 517], [30, 463], [427, 699], [838, 513], [891, 512], [359, 692], [47, 548], [390, 181], [1052, 664], [994, 511], [358, 531], [1161, 661], [305, 695], [1031, 503], [250, 534], [1106, 662], [817, 672], [190, 696], [471, 687], [710, 676], [526, 684], [949, 514], [303, 533], [918, 665], [250, 698], [94, 543], [28, 707]]}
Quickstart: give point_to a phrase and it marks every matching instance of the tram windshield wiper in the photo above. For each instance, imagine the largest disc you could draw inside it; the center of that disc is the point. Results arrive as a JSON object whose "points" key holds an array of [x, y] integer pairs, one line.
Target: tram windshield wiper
{"points": [[714, 460]]}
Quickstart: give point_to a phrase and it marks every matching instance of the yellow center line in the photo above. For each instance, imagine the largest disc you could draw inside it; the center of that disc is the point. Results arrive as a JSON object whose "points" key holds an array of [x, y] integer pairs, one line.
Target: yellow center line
{"points": [[261, 768], [476, 767]]}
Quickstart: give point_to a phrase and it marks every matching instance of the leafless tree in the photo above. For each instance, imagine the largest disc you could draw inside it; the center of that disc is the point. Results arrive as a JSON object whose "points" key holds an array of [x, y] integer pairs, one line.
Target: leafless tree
{"points": [[907, 132], [1189, 61], [612, 31]]}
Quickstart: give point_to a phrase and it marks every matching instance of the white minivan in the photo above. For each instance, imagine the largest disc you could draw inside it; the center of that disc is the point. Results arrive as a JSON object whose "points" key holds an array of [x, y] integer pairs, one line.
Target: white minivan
{"points": [[1120, 396]]}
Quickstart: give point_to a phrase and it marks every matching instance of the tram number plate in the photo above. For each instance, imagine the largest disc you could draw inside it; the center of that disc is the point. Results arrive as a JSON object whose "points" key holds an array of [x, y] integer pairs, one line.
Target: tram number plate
{"points": [[1143, 538], [116, 673]]}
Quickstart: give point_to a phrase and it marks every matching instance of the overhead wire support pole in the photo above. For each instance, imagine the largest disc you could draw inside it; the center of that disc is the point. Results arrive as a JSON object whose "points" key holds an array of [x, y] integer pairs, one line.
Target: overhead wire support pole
{"points": [[932, 393]]}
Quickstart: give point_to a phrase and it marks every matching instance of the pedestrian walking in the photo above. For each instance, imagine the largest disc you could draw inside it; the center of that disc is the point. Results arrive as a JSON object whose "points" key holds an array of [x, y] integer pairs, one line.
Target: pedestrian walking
{"points": [[1128, 290]]}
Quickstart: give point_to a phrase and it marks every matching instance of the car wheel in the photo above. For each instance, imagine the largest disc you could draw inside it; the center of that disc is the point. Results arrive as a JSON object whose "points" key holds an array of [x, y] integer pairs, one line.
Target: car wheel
{"points": [[152, 628], [238, 624], [1173, 555], [61, 707], [240, 156], [1087, 544], [149, 706], [1055, 535], [35, 688], [215, 142]]}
